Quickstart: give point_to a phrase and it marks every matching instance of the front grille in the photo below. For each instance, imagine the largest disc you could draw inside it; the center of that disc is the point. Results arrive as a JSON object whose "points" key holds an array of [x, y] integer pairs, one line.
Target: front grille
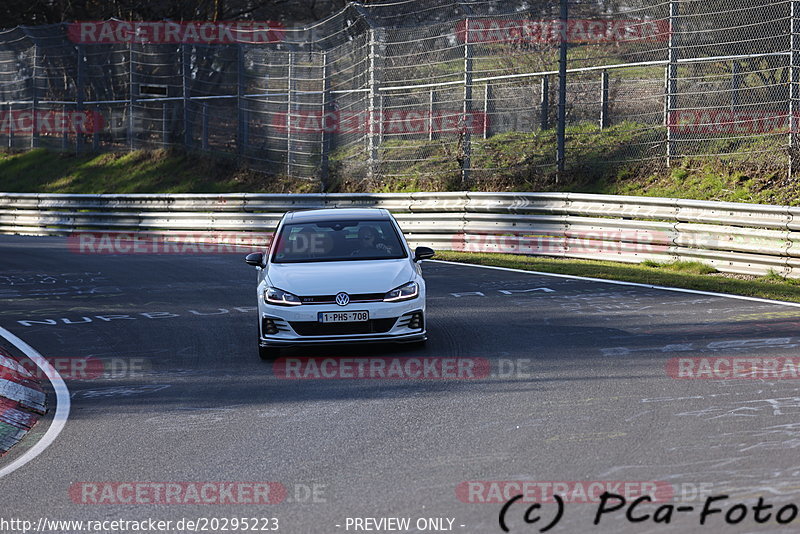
{"points": [[314, 328], [331, 299]]}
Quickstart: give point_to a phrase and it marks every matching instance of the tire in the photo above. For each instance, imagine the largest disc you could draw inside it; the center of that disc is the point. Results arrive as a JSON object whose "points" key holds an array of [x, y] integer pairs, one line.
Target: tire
{"points": [[268, 353]]}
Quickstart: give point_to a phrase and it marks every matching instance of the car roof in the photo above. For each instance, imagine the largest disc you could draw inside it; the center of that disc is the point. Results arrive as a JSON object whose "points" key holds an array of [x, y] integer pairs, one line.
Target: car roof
{"points": [[338, 214]]}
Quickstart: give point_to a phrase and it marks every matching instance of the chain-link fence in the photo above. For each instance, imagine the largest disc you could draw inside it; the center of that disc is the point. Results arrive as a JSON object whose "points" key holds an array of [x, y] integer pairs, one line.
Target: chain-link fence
{"points": [[417, 90]]}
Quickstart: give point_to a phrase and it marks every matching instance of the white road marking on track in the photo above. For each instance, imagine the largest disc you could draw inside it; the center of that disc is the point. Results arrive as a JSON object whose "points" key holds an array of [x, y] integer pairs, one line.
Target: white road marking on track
{"points": [[621, 283], [119, 391], [62, 404]]}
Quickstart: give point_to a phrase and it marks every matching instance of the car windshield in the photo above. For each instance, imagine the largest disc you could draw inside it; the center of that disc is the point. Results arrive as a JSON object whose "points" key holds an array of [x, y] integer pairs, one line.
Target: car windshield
{"points": [[337, 241]]}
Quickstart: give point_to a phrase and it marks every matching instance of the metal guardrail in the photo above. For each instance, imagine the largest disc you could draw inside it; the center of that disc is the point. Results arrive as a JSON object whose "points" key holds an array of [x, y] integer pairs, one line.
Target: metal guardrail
{"points": [[732, 237]]}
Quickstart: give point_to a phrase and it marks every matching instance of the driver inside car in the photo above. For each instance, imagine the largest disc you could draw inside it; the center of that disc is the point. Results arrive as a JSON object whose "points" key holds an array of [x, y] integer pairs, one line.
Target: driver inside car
{"points": [[369, 243]]}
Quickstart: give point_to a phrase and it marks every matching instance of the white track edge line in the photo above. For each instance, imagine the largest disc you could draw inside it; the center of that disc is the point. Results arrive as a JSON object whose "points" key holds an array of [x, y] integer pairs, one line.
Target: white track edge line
{"points": [[62, 404], [621, 283]]}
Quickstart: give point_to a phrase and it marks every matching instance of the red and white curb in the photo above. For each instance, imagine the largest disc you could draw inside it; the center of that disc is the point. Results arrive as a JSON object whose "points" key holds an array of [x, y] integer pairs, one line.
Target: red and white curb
{"points": [[22, 401], [32, 406]]}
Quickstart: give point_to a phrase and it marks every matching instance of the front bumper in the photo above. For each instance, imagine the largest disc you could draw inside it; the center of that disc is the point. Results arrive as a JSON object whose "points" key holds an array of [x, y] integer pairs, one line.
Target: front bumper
{"points": [[378, 338], [389, 322]]}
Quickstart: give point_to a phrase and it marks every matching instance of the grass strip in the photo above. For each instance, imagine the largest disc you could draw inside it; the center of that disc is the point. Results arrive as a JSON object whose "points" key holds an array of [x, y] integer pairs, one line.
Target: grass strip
{"points": [[687, 275]]}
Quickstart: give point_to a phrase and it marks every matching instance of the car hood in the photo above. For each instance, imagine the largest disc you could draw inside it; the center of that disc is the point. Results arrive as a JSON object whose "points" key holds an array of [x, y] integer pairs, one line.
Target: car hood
{"points": [[329, 278]]}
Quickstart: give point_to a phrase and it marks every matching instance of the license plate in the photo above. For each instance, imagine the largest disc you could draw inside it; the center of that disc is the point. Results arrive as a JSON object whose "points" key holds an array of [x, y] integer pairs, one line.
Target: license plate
{"points": [[343, 317]]}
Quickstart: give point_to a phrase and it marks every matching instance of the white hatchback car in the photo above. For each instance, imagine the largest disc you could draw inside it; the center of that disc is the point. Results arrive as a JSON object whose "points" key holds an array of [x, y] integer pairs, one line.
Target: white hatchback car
{"points": [[339, 276]]}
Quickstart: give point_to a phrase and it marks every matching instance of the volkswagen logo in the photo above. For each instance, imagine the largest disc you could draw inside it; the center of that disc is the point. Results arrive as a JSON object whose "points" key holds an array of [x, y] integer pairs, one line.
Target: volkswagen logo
{"points": [[342, 299]]}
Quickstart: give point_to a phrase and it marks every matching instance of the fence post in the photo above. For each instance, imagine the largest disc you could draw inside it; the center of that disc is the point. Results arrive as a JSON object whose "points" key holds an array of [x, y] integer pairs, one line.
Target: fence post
{"points": [[80, 95], [289, 106], [487, 96], [164, 125], [35, 97], [561, 126], [246, 128], [374, 109], [604, 100], [10, 126], [671, 80], [240, 92], [325, 141], [381, 107], [131, 98], [431, 103], [65, 132], [95, 130], [204, 132], [466, 143], [736, 82], [545, 103], [794, 79], [186, 67]]}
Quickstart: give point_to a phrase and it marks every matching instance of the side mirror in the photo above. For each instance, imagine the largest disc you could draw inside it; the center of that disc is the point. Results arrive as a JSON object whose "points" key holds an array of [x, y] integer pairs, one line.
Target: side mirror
{"points": [[423, 253], [256, 259]]}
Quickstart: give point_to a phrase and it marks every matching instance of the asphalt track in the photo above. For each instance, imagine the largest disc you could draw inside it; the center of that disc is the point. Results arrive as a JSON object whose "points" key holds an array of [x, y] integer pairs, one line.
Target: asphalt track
{"points": [[591, 400]]}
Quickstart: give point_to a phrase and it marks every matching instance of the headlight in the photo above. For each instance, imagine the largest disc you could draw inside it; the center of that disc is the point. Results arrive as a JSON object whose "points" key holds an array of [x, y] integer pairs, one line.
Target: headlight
{"points": [[405, 292], [273, 295]]}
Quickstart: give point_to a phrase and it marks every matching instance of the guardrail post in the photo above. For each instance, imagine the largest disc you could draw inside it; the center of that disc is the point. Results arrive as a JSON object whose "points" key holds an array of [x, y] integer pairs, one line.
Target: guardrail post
{"points": [[544, 102], [186, 68], [794, 79], [604, 100], [561, 127], [466, 139], [671, 80], [35, 97], [80, 94]]}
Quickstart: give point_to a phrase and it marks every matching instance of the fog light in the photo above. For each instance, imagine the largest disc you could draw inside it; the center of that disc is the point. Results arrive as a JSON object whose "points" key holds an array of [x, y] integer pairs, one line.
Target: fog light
{"points": [[268, 327], [416, 321]]}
